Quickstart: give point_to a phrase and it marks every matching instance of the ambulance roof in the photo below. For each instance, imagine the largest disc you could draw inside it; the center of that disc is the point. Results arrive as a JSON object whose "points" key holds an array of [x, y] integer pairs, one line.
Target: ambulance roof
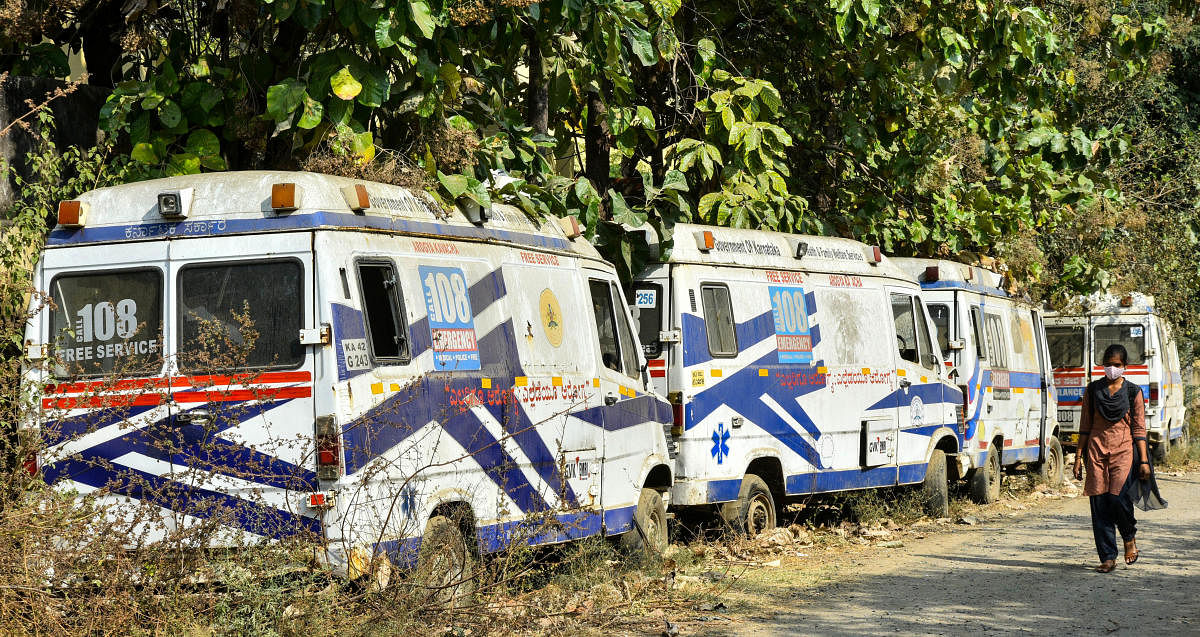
{"points": [[1102, 304], [938, 274], [778, 250], [229, 203]]}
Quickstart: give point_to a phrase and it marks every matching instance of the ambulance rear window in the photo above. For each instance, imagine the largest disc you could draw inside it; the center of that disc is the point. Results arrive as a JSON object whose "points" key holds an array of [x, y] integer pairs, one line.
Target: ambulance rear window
{"points": [[240, 316], [107, 323], [1133, 337], [718, 320], [1066, 346]]}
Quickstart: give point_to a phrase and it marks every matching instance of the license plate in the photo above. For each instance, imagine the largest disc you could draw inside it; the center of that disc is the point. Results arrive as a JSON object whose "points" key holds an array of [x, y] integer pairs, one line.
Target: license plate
{"points": [[1066, 415]]}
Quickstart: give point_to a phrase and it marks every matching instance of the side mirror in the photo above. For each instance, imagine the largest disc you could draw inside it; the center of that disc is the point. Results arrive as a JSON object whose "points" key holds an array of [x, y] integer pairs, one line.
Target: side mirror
{"points": [[933, 360]]}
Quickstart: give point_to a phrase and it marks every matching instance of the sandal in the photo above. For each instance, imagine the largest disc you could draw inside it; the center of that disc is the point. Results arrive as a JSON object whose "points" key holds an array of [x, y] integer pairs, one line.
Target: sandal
{"points": [[1131, 556], [1106, 566]]}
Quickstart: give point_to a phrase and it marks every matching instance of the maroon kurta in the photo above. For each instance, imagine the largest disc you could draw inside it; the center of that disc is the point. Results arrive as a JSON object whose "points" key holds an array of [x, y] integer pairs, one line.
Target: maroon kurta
{"points": [[1110, 445]]}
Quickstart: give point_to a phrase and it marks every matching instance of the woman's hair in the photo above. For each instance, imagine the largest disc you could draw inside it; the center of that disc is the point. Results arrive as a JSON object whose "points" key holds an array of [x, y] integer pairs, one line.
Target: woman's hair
{"points": [[1118, 350]]}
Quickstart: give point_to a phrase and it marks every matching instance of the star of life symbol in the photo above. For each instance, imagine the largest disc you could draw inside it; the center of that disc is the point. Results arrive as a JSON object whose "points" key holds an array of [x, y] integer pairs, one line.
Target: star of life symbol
{"points": [[720, 440], [916, 410], [408, 501]]}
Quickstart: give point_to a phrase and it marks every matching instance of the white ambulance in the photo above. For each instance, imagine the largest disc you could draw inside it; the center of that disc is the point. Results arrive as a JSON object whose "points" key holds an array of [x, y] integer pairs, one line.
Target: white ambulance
{"points": [[997, 344], [1077, 344], [795, 365], [287, 352]]}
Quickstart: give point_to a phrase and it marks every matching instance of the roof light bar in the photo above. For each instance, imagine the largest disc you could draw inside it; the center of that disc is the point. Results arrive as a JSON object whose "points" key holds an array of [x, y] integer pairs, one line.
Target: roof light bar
{"points": [[873, 255], [705, 240], [284, 197], [931, 273], [570, 226], [356, 197], [799, 248], [72, 213]]}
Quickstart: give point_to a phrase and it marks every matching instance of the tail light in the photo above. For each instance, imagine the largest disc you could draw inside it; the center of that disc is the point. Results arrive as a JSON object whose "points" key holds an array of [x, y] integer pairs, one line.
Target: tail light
{"points": [[676, 399], [329, 463], [31, 463], [1153, 393]]}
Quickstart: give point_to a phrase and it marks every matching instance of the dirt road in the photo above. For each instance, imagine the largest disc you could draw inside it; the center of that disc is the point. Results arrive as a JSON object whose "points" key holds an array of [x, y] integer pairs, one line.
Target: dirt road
{"points": [[1027, 574]]}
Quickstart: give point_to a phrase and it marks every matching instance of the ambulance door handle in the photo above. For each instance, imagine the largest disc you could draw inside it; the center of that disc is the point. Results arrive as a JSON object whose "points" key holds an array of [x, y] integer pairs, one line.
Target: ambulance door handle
{"points": [[905, 383], [610, 399], [196, 417]]}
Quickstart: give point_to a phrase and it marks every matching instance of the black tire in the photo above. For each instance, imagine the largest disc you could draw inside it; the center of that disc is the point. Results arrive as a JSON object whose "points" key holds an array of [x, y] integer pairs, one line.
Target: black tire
{"points": [[1050, 470], [985, 481], [445, 564], [754, 510], [649, 533], [935, 491], [1158, 452]]}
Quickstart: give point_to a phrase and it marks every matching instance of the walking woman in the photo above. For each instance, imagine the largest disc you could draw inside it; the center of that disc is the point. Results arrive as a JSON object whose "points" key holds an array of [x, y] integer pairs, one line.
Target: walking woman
{"points": [[1112, 421]]}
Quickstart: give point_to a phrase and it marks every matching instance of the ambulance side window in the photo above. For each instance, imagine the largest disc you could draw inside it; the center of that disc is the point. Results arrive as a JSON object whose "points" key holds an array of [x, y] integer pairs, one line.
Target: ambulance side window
{"points": [[997, 353], [628, 342], [906, 327], [940, 312], [931, 356], [977, 333], [383, 309], [718, 320], [243, 315], [606, 324]]}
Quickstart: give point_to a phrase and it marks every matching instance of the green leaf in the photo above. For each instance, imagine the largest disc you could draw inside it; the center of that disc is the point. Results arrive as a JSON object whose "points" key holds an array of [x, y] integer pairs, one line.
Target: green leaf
{"points": [[312, 113], [422, 18], [383, 31], [737, 132], [452, 78], [169, 113], [727, 118], [675, 180], [456, 185], [621, 212], [665, 8], [145, 153], [343, 84], [363, 145], [183, 164], [203, 143], [642, 45], [284, 98], [708, 201], [706, 49]]}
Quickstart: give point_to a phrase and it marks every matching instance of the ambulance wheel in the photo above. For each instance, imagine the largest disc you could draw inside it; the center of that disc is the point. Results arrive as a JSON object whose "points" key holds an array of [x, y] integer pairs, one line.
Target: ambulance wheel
{"points": [[649, 533], [985, 481], [445, 564], [754, 510], [936, 491], [1159, 452], [1050, 470]]}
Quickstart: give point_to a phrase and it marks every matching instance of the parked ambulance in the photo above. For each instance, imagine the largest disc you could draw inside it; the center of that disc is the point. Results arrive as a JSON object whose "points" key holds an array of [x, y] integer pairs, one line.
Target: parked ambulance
{"points": [[795, 365], [287, 352], [997, 345], [1077, 344]]}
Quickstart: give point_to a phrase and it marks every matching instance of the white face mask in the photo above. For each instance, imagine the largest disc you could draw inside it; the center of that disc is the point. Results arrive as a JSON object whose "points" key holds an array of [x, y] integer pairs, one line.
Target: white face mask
{"points": [[1113, 373]]}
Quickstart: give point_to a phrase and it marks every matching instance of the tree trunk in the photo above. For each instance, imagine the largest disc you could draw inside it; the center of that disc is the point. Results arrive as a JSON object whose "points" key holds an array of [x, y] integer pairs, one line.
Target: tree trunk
{"points": [[595, 143], [537, 96]]}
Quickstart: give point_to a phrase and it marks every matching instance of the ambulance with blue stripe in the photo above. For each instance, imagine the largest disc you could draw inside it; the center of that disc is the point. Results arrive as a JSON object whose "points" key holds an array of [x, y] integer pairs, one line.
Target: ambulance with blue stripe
{"points": [[795, 365], [997, 345], [1077, 342], [266, 354]]}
